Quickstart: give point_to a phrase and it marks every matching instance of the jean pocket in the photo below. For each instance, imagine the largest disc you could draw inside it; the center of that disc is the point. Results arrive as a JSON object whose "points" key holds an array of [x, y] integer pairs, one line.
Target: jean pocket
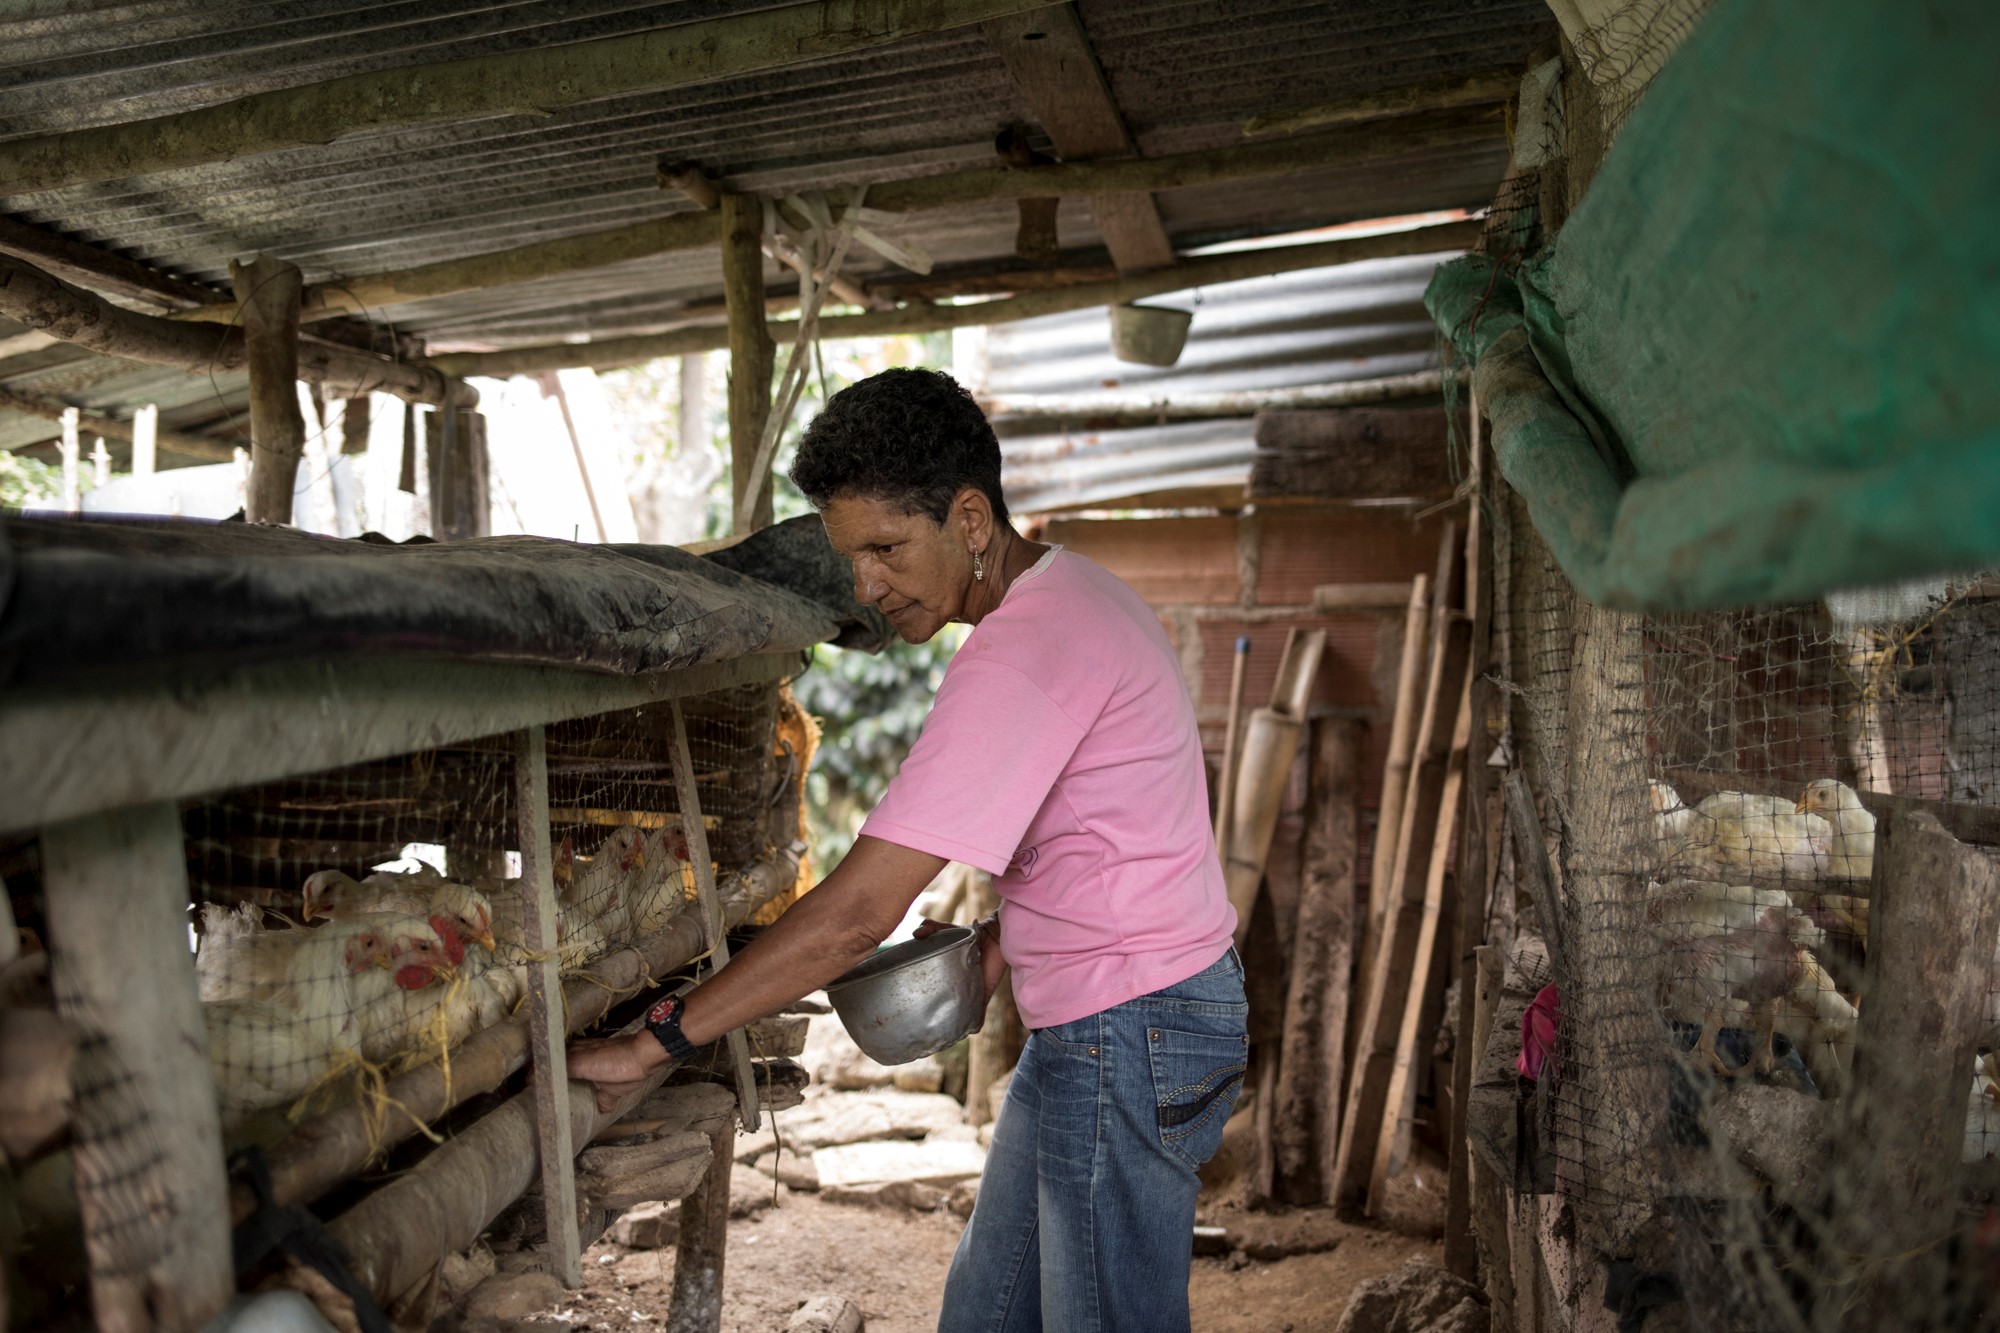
{"points": [[1196, 1078]]}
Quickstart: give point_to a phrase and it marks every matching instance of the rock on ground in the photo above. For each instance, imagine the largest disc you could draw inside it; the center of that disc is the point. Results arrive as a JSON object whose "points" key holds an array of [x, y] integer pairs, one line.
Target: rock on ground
{"points": [[1416, 1298], [831, 1119], [834, 1061], [513, 1296], [794, 1171], [827, 1313], [907, 1194], [752, 1192], [462, 1272], [963, 1197], [650, 1226], [939, 1163]]}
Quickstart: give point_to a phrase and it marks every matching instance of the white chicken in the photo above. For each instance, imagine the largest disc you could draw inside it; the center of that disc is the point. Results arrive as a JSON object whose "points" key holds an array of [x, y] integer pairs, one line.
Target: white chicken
{"points": [[338, 896], [1851, 851], [661, 893], [1744, 831], [598, 892]]}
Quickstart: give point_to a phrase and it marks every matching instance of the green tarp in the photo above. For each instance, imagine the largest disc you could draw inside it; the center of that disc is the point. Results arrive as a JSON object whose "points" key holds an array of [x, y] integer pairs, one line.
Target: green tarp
{"points": [[1761, 360]]}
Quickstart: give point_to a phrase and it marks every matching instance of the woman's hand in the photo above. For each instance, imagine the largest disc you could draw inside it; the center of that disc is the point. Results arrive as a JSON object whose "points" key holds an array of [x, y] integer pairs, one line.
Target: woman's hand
{"points": [[617, 1065], [991, 964]]}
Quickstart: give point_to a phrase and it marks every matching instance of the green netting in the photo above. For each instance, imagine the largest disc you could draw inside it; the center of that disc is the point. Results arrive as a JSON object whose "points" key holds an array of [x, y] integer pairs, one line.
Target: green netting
{"points": [[1759, 361]]}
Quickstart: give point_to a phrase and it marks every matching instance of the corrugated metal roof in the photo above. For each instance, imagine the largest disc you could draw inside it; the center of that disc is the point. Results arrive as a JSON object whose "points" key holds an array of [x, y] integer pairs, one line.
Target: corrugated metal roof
{"points": [[1322, 326], [1185, 72]]}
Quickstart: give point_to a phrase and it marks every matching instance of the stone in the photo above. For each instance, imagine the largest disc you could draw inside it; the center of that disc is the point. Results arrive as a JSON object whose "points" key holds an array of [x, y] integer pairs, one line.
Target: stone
{"points": [[1415, 1298], [510, 1296], [962, 1198], [940, 1163], [835, 1062], [831, 1119], [828, 1313], [751, 1193], [792, 1170], [533, 1260], [650, 1226], [909, 1194]]}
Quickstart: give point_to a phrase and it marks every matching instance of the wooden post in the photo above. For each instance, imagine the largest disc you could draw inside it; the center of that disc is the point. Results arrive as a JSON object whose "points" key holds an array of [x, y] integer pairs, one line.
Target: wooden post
{"points": [[460, 501], [268, 291], [696, 1304], [1934, 919], [148, 1136], [715, 930], [752, 356], [357, 416], [546, 1027], [1489, 1189], [145, 440], [693, 432], [72, 462], [1312, 1068]]}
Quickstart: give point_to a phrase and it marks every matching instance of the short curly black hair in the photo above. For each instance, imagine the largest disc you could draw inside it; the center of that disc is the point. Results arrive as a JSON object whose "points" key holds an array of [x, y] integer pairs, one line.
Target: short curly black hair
{"points": [[911, 438]]}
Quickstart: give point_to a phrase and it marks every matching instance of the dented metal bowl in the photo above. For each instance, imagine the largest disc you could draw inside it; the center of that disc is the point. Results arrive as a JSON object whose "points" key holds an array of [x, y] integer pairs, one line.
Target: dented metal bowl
{"points": [[915, 998]]}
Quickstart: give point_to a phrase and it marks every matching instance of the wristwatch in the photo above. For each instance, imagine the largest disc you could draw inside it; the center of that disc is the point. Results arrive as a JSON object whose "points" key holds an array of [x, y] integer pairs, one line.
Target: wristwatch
{"points": [[663, 1020]]}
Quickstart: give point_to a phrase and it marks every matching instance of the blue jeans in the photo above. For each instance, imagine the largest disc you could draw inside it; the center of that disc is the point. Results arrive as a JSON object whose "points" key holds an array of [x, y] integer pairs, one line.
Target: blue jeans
{"points": [[1086, 1210]]}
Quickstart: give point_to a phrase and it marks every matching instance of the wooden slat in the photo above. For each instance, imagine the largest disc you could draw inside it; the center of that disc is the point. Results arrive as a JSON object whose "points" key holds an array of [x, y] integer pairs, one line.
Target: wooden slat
{"points": [[1351, 453], [1396, 954], [1049, 55], [714, 928], [148, 1136], [546, 1026], [186, 731]]}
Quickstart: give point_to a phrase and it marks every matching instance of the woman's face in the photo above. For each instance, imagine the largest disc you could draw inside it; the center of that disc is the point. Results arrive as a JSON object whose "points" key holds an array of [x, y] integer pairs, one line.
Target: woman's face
{"points": [[914, 571]]}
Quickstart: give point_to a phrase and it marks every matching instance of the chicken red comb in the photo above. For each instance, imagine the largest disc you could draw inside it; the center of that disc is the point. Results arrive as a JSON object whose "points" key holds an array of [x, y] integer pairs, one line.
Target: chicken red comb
{"points": [[454, 947]]}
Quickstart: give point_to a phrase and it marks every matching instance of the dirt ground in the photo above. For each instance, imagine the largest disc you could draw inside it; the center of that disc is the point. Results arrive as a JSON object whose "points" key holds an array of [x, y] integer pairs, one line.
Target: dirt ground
{"points": [[893, 1263]]}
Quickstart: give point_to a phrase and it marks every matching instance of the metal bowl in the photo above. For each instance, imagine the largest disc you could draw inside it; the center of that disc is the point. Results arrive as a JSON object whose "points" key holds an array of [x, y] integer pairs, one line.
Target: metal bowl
{"points": [[915, 998]]}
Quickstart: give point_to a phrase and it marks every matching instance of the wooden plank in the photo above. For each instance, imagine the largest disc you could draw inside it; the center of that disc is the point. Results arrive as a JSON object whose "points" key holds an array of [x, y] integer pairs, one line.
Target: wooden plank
{"points": [[612, 353], [1312, 1064], [714, 929], [148, 1136], [1351, 453], [268, 291], [99, 269], [1930, 962], [1049, 54], [1432, 926], [1488, 1187], [702, 1246], [752, 355], [1338, 597], [547, 1029], [186, 731], [1537, 873], [1397, 953], [1485, 87]]}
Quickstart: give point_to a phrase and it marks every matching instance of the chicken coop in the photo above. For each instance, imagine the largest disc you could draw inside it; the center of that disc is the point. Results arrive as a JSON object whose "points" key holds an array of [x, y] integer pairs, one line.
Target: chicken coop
{"points": [[297, 937], [1753, 856]]}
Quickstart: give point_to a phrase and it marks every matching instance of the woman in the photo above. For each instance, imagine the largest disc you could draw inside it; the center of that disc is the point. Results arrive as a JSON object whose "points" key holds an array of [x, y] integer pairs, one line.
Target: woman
{"points": [[1061, 755]]}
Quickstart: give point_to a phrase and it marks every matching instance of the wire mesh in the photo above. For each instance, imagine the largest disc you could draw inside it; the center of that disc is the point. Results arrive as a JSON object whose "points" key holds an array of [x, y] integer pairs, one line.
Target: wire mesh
{"points": [[1709, 787]]}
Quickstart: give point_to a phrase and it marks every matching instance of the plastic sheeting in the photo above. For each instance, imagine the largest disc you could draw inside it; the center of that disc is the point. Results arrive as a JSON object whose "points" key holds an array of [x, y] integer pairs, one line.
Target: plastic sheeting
{"points": [[1757, 363]]}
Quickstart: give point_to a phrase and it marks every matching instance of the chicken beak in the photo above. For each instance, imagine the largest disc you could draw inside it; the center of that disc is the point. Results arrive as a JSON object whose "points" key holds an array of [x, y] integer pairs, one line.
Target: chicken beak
{"points": [[1803, 807], [485, 939], [384, 961]]}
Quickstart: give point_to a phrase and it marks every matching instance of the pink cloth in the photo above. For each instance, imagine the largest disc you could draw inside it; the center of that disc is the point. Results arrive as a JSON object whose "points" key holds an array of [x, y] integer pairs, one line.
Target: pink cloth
{"points": [[1062, 756], [1538, 1033]]}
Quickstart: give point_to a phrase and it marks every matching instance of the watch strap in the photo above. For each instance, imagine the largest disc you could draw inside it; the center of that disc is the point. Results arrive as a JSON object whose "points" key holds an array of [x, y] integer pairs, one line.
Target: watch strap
{"points": [[663, 1020]]}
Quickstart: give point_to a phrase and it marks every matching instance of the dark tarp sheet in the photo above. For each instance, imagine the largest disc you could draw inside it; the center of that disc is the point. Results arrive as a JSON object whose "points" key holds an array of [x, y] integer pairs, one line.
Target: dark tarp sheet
{"points": [[82, 596], [1758, 362]]}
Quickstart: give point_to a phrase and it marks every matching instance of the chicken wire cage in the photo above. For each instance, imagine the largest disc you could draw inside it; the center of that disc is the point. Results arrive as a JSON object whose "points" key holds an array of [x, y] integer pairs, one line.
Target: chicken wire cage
{"points": [[355, 923], [1709, 788]]}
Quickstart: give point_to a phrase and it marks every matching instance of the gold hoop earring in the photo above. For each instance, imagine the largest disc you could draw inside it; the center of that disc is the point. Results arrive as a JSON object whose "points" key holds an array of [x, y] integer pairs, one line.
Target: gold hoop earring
{"points": [[978, 566]]}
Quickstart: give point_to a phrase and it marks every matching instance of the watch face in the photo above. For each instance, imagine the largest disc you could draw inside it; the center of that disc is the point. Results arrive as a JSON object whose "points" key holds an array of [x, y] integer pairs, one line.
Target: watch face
{"points": [[660, 1012]]}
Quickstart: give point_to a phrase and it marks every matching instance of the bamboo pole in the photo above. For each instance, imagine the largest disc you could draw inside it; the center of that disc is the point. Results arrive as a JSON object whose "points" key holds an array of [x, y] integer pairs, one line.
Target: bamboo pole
{"points": [[1402, 739], [72, 315], [611, 353], [1454, 90], [752, 356], [535, 81], [1226, 799], [268, 291]]}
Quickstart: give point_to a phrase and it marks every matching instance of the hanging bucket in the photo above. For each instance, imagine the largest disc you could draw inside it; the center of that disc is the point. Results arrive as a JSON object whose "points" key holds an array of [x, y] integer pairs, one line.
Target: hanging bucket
{"points": [[1149, 335]]}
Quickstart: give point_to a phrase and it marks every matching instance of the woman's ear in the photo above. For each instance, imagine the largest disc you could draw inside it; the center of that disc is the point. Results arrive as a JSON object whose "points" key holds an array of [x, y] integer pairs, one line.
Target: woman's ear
{"points": [[976, 512]]}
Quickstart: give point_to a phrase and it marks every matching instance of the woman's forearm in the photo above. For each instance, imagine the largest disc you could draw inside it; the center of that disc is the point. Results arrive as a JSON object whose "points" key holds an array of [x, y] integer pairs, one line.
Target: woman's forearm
{"points": [[819, 937]]}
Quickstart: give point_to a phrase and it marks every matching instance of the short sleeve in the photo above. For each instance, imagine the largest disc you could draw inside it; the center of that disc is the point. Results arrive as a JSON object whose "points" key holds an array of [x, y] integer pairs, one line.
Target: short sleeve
{"points": [[989, 754]]}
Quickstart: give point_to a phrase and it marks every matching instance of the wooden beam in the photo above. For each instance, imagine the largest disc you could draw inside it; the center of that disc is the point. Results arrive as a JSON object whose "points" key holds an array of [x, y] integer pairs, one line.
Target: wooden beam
{"points": [[368, 295], [100, 269], [535, 81], [72, 315], [546, 1027], [752, 357], [1485, 88], [1930, 962], [52, 409], [1338, 597], [188, 730], [268, 291], [148, 1136], [702, 1243], [1351, 453], [1049, 54], [1207, 271], [1204, 406]]}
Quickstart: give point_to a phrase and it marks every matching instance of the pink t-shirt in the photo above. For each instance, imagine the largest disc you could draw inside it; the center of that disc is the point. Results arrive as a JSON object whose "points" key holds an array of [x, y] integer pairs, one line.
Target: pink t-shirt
{"points": [[1062, 756]]}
